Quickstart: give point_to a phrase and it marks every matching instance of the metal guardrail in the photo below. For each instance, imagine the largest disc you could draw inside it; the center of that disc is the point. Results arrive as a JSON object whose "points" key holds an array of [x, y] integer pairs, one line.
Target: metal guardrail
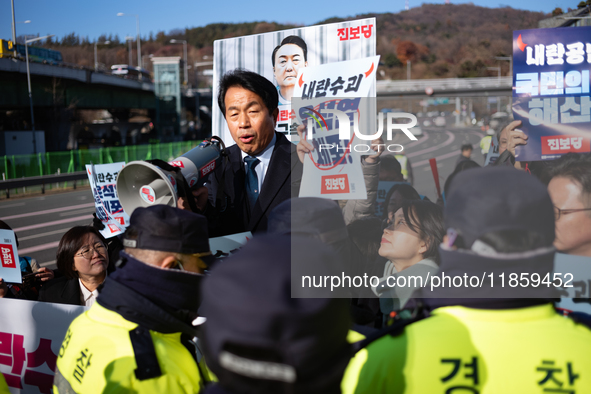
{"points": [[444, 86], [41, 180]]}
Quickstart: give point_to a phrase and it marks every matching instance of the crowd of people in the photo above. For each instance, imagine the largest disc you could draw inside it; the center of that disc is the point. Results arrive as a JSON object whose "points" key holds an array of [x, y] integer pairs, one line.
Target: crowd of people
{"points": [[166, 316]]}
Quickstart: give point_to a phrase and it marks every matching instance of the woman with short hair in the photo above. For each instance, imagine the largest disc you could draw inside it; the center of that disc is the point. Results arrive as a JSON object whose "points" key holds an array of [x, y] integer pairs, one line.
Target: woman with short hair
{"points": [[410, 243], [82, 258]]}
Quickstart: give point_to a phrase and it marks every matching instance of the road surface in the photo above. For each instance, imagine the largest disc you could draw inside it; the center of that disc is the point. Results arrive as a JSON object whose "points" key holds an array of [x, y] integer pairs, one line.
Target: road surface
{"points": [[443, 144], [40, 222]]}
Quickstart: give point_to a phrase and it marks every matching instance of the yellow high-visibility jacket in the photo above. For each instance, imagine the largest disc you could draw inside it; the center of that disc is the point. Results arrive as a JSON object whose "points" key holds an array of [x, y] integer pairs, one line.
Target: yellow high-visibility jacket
{"points": [[102, 350], [465, 350], [3, 385]]}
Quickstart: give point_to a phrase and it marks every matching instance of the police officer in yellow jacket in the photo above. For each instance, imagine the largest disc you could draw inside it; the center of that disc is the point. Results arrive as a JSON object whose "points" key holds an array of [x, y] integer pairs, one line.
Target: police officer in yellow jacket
{"points": [[3, 385], [138, 336], [499, 338]]}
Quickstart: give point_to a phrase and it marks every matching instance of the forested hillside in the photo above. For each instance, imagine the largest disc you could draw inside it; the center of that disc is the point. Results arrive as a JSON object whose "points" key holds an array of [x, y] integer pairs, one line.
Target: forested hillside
{"points": [[440, 40]]}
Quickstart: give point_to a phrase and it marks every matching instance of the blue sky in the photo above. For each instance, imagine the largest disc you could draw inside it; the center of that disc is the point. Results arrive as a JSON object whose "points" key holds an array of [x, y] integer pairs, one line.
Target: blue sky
{"points": [[92, 18]]}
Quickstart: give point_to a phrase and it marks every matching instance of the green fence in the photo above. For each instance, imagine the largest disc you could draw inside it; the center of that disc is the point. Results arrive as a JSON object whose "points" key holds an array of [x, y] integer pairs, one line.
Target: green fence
{"points": [[19, 166]]}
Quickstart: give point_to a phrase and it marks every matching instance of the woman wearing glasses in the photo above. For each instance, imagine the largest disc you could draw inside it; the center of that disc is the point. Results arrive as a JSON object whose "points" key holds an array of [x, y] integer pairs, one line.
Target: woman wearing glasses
{"points": [[82, 258], [410, 243]]}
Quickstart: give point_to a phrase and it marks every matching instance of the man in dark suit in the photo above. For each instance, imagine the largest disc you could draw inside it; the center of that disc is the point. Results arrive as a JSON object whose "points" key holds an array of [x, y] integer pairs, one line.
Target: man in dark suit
{"points": [[261, 170]]}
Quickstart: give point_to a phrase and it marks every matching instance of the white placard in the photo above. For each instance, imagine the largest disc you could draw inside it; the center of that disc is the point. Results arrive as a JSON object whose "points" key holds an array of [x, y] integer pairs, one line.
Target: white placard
{"points": [[228, 243], [103, 182], [333, 169]]}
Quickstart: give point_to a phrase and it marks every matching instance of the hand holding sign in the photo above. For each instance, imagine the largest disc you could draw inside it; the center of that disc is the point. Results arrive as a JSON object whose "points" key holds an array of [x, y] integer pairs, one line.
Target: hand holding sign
{"points": [[377, 146], [303, 147], [513, 137], [44, 274]]}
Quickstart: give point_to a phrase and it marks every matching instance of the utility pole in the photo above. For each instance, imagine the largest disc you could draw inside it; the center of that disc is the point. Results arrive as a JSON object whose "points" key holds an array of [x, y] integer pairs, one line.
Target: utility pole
{"points": [[13, 30]]}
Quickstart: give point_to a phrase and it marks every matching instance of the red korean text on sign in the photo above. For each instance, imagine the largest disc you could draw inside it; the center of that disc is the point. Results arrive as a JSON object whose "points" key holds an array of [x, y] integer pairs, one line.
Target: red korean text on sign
{"points": [[353, 33], [283, 115], [366, 30], [332, 184], [560, 144], [43, 355], [13, 354], [7, 256]]}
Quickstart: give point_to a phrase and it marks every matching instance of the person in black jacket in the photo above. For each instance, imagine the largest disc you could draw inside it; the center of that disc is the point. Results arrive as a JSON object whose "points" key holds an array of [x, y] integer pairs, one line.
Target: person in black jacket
{"points": [[261, 170]]}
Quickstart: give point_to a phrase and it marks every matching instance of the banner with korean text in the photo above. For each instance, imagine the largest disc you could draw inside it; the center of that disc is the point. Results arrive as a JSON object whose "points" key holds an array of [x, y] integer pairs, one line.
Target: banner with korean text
{"points": [[103, 182], [329, 99], [278, 56], [31, 334], [551, 91]]}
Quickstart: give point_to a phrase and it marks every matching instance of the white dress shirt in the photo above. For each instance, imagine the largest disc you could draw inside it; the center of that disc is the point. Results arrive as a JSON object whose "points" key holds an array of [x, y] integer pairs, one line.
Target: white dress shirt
{"points": [[86, 296]]}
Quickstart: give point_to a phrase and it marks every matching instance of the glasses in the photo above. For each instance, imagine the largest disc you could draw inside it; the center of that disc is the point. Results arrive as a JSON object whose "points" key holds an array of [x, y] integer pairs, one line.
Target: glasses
{"points": [[386, 223], [391, 225], [559, 212], [88, 251]]}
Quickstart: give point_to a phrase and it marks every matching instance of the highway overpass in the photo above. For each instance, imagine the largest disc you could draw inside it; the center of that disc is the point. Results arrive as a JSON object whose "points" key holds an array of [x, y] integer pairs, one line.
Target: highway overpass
{"points": [[62, 86]]}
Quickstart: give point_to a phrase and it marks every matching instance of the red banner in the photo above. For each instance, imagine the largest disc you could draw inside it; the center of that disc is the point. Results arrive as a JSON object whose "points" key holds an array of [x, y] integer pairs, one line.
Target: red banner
{"points": [[7, 256], [560, 144], [332, 184]]}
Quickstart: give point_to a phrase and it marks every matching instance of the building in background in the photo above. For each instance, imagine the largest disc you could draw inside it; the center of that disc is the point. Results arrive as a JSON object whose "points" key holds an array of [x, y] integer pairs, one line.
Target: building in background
{"points": [[170, 111]]}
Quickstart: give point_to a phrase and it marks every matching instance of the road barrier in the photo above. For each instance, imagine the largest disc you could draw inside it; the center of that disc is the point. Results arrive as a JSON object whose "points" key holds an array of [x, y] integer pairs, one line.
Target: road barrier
{"points": [[53, 167]]}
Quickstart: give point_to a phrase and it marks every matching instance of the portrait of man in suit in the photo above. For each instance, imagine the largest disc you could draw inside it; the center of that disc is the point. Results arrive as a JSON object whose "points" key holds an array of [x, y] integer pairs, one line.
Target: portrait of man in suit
{"points": [[287, 59], [261, 170]]}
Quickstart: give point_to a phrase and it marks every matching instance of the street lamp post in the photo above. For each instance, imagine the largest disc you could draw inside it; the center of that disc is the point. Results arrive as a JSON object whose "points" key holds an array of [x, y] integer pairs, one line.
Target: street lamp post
{"points": [[129, 40], [139, 45], [29, 82], [13, 29], [24, 22], [184, 42], [95, 54]]}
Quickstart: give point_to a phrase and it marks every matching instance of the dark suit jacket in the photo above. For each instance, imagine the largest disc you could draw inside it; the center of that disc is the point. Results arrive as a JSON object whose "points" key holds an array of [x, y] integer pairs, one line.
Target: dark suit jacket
{"points": [[230, 213], [61, 290]]}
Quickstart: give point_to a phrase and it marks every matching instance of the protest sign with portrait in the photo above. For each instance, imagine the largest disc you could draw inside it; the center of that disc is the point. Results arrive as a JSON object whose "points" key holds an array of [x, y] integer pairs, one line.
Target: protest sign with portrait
{"points": [[278, 56]]}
